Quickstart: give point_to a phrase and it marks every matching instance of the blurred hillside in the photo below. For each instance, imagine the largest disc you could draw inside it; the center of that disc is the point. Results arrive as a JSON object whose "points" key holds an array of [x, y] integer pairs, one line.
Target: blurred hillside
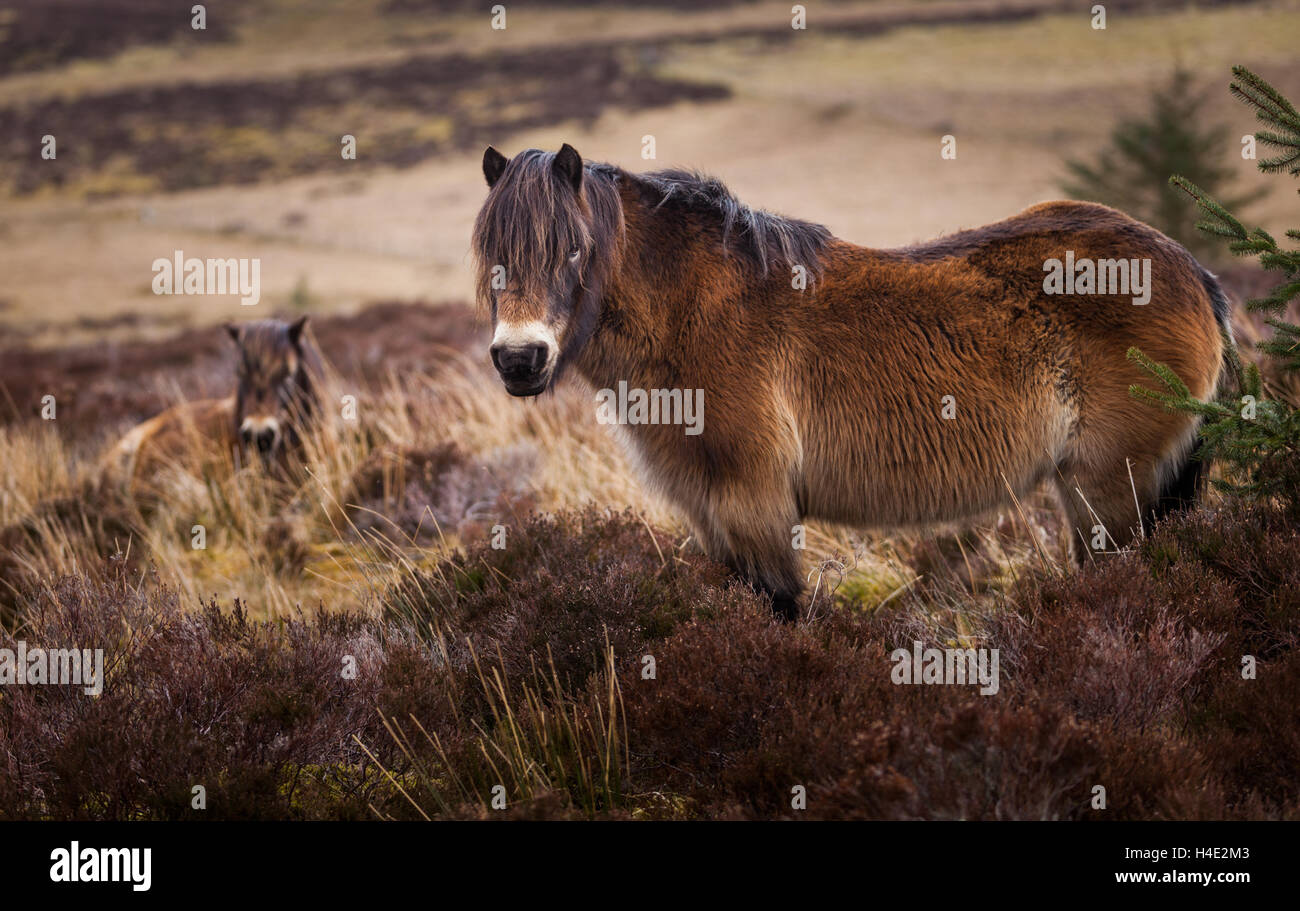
{"points": [[226, 142]]}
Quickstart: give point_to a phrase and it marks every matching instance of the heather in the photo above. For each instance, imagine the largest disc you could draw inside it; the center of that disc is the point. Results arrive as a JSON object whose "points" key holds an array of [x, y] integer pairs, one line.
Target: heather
{"points": [[524, 669]]}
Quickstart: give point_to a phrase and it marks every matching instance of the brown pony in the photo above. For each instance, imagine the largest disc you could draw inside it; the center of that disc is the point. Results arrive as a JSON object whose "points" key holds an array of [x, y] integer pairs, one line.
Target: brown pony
{"points": [[279, 374], [869, 387]]}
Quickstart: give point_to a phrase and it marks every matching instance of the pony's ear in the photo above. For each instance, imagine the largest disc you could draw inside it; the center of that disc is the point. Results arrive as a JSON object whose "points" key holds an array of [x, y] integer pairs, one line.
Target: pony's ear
{"points": [[568, 164], [234, 332], [295, 330], [494, 163]]}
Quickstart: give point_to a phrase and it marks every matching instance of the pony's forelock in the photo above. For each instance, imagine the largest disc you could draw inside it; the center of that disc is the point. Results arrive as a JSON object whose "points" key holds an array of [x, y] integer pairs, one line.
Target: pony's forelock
{"points": [[531, 218], [264, 344]]}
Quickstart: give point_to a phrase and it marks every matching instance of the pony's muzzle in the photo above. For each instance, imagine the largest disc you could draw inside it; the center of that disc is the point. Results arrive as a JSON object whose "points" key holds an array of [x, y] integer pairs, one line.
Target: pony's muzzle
{"points": [[262, 436], [524, 368]]}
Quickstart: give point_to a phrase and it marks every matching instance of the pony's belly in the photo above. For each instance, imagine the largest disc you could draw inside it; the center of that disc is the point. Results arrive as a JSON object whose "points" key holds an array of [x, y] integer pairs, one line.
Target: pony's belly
{"points": [[938, 471], [909, 495]]}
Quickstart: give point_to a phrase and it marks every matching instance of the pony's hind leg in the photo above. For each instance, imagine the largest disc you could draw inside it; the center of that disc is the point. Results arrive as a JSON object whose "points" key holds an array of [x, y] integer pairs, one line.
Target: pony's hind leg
{"points": [[1114, 494], [1105, 509]]}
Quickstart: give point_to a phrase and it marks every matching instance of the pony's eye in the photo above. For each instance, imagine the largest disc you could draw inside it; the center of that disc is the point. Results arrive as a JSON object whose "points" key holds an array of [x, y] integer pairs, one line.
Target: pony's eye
{"points": [[574, 252]]}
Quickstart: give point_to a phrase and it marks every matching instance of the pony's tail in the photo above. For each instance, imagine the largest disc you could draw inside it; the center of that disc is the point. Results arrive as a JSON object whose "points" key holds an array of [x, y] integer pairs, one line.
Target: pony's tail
{"points": [[1186, 482], [1223, 316]]}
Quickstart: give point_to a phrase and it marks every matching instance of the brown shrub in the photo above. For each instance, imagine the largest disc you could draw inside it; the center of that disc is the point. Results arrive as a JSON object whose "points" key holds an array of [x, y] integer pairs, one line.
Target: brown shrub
{"points": [[523, 667], [425, 493], [562, 587], [260, 715]]}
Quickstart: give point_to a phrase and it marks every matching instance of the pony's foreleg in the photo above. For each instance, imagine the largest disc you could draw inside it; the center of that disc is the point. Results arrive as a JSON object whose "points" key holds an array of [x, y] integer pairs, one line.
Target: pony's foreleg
{"points": [[751, 528]]}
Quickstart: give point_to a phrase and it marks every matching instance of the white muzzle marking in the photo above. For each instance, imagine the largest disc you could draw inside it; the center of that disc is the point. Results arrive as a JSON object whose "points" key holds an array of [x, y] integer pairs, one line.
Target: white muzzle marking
{"points": [[517, 335], [255, 427]]}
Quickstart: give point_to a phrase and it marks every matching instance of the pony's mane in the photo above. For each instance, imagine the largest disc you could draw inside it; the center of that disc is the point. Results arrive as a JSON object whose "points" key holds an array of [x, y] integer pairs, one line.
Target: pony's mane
{"points": [[764, 238]]}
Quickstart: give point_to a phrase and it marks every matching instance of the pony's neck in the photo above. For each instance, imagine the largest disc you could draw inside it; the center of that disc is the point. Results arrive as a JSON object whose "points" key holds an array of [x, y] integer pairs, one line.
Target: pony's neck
{"points": [[649, 299]]}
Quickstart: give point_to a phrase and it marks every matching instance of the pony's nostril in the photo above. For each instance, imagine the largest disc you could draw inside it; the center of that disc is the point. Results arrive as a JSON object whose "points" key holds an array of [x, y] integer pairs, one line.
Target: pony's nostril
{"points": [[538, 356], [520, 359], [265, 441]]}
